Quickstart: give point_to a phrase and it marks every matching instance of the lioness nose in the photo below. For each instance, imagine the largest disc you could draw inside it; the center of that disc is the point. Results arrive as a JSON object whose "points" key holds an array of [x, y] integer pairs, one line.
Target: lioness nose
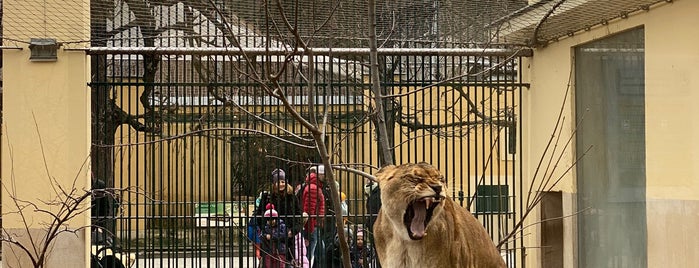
{"points": [[436, 187]]}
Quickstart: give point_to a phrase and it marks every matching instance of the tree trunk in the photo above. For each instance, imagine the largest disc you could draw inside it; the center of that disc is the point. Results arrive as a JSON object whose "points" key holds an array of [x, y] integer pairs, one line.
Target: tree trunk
{"points": [[385, 151]]}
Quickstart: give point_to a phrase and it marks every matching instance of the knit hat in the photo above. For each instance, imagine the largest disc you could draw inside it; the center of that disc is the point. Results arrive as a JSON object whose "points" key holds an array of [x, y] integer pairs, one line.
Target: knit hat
{"points": [[321, 169], [278, 174], [270, 212]]}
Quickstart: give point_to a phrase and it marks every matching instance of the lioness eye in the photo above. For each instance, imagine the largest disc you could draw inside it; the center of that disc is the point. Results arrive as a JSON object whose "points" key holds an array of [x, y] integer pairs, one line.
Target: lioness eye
{"points": [[415, 178]]}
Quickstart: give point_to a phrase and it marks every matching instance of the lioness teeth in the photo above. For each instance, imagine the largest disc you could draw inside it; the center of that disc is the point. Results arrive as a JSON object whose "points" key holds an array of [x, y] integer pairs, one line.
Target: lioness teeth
{"points": [[429, 201]]}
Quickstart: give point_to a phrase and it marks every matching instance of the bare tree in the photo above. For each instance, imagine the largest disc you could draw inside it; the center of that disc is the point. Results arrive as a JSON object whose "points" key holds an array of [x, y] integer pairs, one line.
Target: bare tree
{"points": [[54, 218], [68, 204], [292, 27]]}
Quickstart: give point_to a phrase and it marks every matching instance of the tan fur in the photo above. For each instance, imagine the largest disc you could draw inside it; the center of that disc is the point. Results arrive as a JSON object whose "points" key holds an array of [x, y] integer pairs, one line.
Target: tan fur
{"points": [[454, 238]]}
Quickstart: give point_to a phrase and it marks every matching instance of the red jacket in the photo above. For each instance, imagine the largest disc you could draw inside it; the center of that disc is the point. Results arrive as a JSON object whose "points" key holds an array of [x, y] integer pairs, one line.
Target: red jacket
{"points": [[313, 201]]}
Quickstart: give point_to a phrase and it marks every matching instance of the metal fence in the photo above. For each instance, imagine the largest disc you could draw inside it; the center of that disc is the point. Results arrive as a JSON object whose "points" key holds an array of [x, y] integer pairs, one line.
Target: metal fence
{"points": [[187, 139]]}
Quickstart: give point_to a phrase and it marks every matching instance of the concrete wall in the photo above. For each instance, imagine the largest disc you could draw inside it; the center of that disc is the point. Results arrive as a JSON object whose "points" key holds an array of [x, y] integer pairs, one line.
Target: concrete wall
{"points": [[672, 129]]}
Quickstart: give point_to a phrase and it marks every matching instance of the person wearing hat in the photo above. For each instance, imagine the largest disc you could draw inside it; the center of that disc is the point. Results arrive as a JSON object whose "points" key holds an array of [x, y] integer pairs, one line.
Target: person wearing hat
{"points": [[273, 237], [344, 207], [360, 254], [287, 206], [328, 228], [313, 203]]}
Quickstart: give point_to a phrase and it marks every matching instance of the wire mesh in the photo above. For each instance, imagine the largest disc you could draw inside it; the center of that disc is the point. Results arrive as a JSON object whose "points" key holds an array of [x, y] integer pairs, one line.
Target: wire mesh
{"points": [[320, 23], [62, 20], [548, 20]]}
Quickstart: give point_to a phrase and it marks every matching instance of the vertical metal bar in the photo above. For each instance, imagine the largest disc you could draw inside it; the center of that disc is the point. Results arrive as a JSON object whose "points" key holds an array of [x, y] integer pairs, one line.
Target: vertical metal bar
{"points": [[189, 169], [424, 109], [474, 173], [458, 137], [122, 154], [173, 160], [435, 97], [213, 160], [412, 109], [161, 166], [363, 87], [166, 173], [491, 133], [504, 146], [197, 150], [520, 160]]}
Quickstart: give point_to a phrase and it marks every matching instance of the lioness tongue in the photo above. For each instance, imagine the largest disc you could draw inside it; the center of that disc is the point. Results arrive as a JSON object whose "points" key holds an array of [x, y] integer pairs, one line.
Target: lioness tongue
{"points": [[417, 226]]}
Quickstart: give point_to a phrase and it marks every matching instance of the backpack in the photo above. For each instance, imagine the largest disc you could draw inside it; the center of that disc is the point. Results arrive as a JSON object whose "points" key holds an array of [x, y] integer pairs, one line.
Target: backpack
{"points": [[253, 231]]}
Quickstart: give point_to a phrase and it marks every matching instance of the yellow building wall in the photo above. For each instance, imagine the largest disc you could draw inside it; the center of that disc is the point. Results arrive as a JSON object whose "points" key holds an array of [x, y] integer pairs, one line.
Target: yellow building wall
{"points": [[476, 149], [187, 169], [468, 155], [672, 129], [166, 174], [46, 131]]}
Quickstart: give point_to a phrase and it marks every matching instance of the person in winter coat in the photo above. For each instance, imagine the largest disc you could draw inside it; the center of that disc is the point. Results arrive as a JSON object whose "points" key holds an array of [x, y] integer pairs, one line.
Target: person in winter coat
{"points": [[360, 254], [313, 203], [301, 252], [256, 222], [333, 253], [344, 207], [328, 230], [273, 237], [287, 205]]}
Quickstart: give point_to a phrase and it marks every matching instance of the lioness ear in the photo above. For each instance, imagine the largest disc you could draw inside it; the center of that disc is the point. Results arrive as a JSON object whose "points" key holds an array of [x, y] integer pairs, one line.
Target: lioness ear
{"points": [[385, 173]]}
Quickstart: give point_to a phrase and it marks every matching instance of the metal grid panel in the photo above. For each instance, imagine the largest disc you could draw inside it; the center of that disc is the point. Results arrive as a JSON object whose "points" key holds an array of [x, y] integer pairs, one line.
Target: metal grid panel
{"points": [[200, 144], [549, 20], [48, 19], [321, 23], [329, 23]]}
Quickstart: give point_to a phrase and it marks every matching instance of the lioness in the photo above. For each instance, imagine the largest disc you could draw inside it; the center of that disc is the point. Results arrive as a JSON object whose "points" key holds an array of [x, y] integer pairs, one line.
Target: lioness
{"points": [[420, 226]]}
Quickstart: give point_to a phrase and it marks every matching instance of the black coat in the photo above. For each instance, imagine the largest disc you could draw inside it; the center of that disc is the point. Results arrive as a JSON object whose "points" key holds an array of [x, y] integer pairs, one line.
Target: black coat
{"points": [[286, 204], [373, 205]]}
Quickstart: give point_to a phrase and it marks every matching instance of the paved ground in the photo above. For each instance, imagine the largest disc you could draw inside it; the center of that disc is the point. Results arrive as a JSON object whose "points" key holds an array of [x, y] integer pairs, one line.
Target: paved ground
{"points": [[232, 262]]}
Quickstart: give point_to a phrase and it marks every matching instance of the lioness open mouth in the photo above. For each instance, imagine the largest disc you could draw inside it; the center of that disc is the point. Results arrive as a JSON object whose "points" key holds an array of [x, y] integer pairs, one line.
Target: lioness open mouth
{"points": [[418, 215]]}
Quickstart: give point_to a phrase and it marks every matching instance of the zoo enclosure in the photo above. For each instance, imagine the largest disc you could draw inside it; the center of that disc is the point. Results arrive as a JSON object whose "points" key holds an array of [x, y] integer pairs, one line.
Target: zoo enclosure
{"points": [[214, 137]]}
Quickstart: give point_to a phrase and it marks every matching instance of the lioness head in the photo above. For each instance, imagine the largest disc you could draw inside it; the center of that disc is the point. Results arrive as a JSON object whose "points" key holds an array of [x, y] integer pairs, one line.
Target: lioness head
{"points": [[411, 196]]}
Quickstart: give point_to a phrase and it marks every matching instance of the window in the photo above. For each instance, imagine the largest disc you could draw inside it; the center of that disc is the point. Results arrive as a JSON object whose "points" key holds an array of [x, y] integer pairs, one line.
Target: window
{"points": [[492, 199], [611, 177]]}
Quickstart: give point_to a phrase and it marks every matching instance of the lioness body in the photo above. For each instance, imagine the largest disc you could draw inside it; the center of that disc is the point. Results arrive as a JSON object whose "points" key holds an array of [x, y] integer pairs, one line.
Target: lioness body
{"points": [[414, 194]]}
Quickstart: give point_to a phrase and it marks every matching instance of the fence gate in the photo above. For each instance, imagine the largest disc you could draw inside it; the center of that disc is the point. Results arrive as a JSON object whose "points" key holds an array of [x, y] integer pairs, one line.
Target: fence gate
{"points": [[188, 139]]}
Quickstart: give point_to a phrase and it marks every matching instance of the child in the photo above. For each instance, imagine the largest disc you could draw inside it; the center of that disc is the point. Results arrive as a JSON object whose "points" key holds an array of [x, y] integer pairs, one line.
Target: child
{"points": [[273, 237], [360, 254], [254, 236], [344, 207], [301, 247], [300, 252]]}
